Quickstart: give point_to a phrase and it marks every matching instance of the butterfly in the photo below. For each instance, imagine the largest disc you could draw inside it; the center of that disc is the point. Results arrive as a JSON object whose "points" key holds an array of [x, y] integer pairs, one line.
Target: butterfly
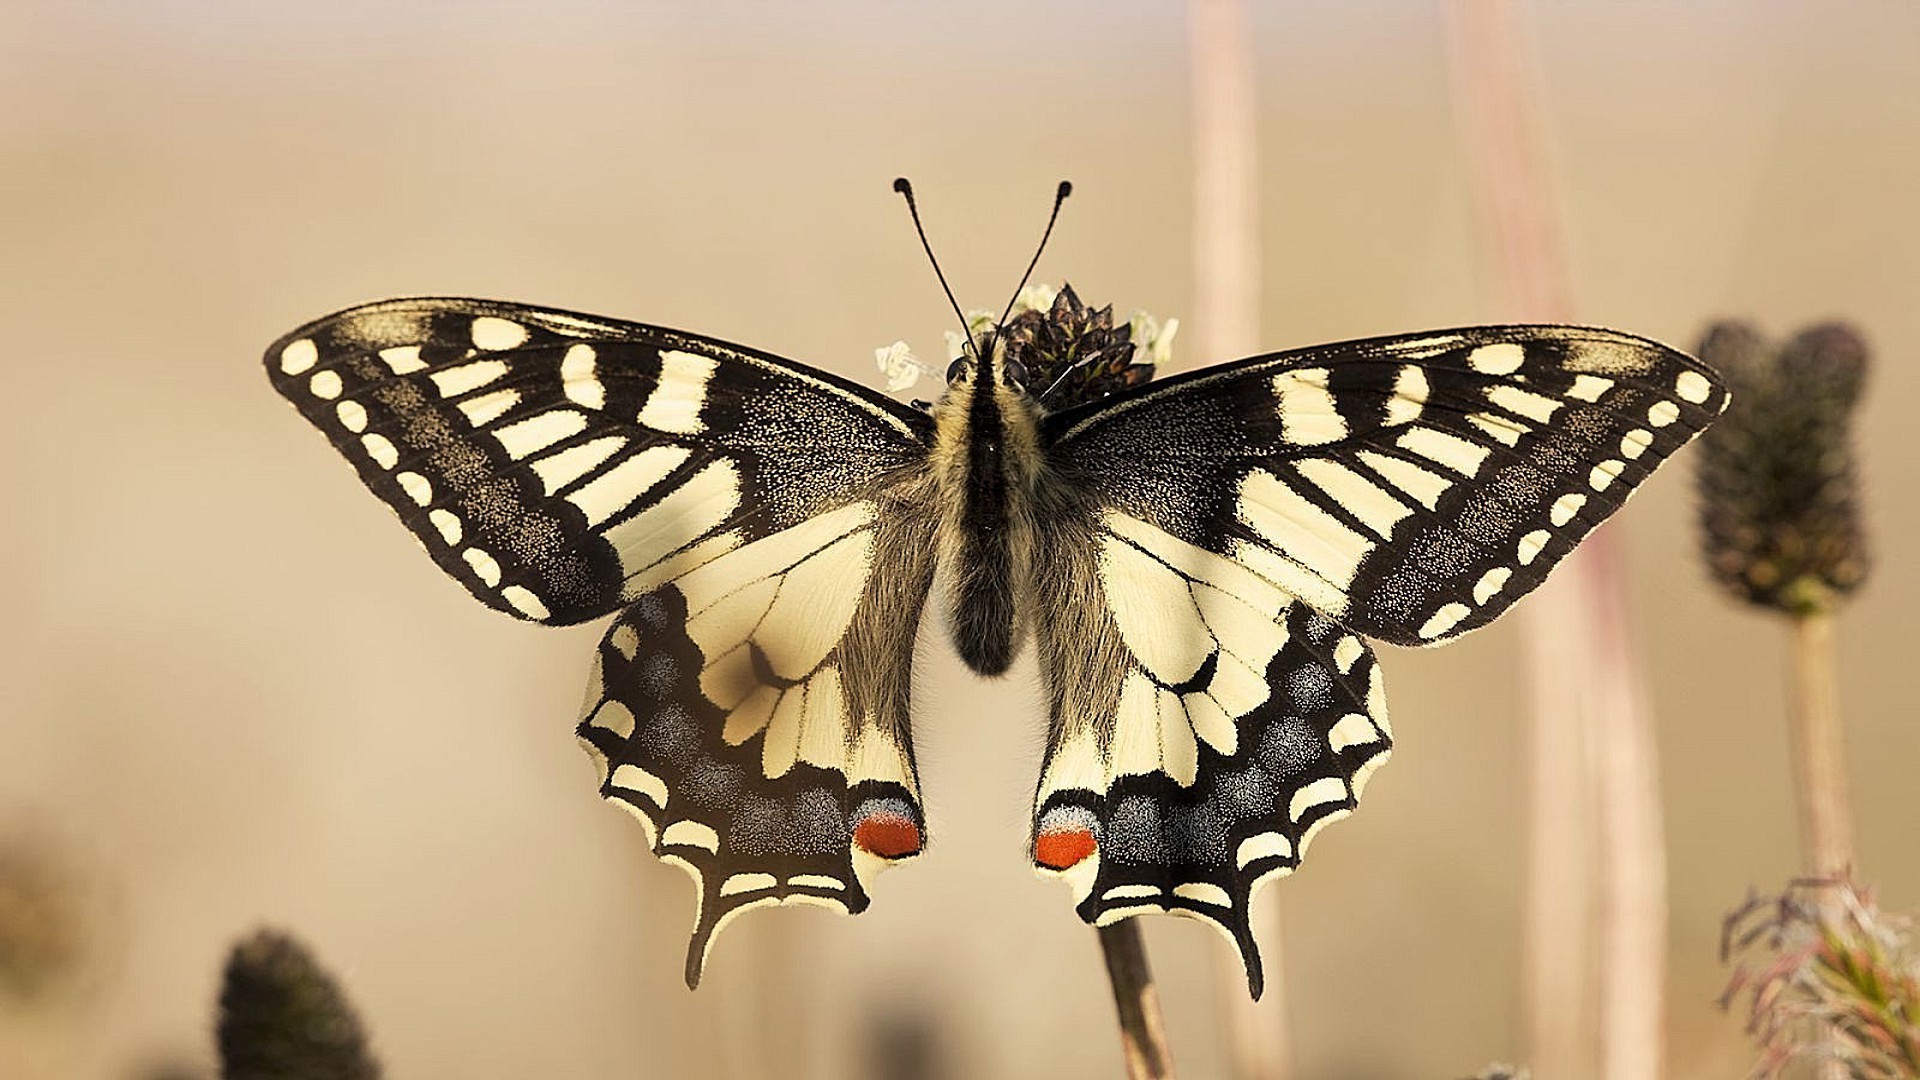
{"points": [[1197, 564]]}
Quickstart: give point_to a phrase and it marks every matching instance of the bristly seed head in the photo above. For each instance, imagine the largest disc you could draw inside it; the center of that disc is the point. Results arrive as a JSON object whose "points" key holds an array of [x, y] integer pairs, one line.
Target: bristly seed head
{"points": [[1075, 354], [1779, 512]]}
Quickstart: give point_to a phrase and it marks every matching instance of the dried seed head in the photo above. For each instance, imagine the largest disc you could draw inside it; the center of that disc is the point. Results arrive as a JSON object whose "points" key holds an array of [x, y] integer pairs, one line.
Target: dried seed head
{"points": [[283, 1018], [45, 930], [1075, 354], [1778, 508]]}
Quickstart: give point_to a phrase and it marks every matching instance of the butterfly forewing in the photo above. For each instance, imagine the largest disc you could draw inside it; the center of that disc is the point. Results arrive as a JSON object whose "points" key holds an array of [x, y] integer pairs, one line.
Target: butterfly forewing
{"points": [[1411, 488], [560, 465]]}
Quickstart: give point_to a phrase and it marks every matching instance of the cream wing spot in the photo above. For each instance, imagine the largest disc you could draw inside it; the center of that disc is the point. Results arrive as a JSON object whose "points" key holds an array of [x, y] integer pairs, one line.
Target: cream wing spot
{"points": [[1136, 746], [299, 357], [1564, 508], [1662, 413], [1203, 892], [446, 524], [1293, 524], [524, 601], [493, 333], [1352, 730], [1490, 584], [487, 408], [1445, 619], [1154, 611], [1502, 358], [1179, 752], [559, 469], [617, 718], [455, 381], [417, 487], [1693, 386], [1589, 387], [1347, 653], [823, 739], [523, 438], [692, 834], [380, 450], [1425, 487], [1308, 413], [1445, 448], [403, 359], [1263, 846], [1210, 722], [1327, 789], [1531, 545], [579, 378], [353, 416], [1409, 396], [617, 489], [1376, 509], [782, 746], [325, 384], [484, 565], [1535, 407], [634, 778], [1605, 473], [675, 403], [1635, 442]]}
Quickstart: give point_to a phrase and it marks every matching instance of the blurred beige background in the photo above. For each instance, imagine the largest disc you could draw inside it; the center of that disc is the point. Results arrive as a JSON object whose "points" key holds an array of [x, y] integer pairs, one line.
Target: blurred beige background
{"points": [[242, 697]]}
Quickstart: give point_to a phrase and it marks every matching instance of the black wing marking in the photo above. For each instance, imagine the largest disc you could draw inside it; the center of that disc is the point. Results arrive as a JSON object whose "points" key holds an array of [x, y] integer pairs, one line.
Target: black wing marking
{"points": [[1205, 727], [753, 715], [1412, 488], [560, 465]]}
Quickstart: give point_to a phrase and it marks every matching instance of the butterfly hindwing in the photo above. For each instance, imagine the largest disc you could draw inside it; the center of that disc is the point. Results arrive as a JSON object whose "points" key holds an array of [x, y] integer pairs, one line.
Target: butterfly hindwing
{"points": [[1205, 726], [1412, 488], [561, 465]]}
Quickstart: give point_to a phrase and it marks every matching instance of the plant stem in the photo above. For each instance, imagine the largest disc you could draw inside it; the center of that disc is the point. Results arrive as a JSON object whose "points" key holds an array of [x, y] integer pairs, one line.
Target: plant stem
{"points": [[1818, 749], [1225, 325], [1596, 789], [1143, 1038]]}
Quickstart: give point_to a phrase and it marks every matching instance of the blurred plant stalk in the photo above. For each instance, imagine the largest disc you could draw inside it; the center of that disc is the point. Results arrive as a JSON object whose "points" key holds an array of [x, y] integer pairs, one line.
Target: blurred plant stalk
{"points": [[1226, 321], [1781, 530], [1595, 816]]}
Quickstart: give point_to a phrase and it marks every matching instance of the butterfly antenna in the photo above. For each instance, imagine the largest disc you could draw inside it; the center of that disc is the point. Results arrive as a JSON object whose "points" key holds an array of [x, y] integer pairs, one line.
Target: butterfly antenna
{"points": [[901, 185], [1059, 196]]}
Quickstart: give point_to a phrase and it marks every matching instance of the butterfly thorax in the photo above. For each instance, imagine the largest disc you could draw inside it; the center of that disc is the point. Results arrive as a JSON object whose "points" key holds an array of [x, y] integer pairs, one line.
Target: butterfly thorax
{"points": [[987, 464]]}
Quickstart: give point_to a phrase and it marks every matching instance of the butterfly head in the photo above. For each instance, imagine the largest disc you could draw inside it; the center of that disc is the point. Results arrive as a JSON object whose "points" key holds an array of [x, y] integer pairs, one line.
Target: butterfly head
{"points": [[1003, 366]]}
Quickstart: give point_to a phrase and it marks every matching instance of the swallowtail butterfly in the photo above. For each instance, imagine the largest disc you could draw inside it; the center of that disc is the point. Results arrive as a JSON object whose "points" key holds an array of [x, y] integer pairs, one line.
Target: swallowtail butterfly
{"points": [[1197, 562]]}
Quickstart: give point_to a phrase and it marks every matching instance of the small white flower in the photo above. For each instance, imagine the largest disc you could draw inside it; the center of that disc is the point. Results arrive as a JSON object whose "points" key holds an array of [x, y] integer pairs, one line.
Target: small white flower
{"points": [[901, 368], [978, 322], [1153, 339], [1036, 297]]}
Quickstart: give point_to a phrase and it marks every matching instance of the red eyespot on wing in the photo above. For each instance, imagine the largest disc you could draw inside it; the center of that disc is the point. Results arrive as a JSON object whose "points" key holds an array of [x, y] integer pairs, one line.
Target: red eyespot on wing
{"points": [[1058, 849], [887, 834]]}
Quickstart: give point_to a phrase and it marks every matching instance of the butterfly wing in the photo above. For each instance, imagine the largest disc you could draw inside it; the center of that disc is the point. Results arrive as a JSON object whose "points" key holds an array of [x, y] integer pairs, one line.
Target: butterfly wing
{"points": [[753, 715], [1239, 529], [760, 522], [1411, 488], [562, 465]]}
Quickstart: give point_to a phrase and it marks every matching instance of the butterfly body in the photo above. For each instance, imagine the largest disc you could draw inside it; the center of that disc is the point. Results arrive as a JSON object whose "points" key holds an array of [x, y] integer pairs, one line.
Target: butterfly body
{"points": [[1196, 563]]}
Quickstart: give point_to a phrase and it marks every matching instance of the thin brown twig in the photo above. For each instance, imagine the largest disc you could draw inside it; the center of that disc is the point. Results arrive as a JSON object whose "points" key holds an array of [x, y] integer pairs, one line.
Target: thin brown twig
{"points": [[1143, 1037], [1818, 749]]}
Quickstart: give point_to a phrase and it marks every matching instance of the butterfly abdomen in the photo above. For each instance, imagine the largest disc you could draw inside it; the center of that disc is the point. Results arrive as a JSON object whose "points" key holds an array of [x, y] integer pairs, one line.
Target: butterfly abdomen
{"points": [[986, 459]]}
